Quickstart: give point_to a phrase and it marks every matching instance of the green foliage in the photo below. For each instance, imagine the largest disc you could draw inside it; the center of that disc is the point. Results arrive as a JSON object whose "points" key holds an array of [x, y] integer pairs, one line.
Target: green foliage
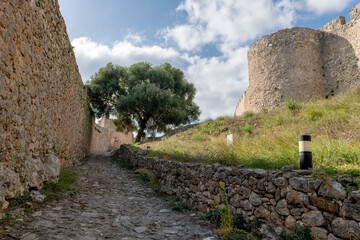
{"points": [[314, 114], [240, 222], [154, 184], [124, 163], [180, 206], [20, 200], [214, 215], [249, 114], [227, 228], [298, 233], [40, 3], [177, 205], [144, 177], [105, 88], [291, 104], [348, 188], [71, 49], [176, 173], [247, 128], [63, 187], [357, 182], [146, 98]]}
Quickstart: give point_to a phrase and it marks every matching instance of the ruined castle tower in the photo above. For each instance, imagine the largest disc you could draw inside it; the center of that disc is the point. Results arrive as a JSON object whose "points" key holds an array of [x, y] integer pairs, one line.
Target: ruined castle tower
{"points": [[303, 64]]}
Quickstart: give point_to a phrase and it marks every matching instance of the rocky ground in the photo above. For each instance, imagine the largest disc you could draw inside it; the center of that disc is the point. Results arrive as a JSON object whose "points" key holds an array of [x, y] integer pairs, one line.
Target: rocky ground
{"points": [[113, 203]]}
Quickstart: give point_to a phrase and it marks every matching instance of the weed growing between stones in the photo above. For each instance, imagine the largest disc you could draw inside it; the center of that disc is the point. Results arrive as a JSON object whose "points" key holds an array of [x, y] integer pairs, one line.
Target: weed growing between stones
{"points": [[298, 233], [124, 163], [227, 229], [144, 177], [20, 200], [214, 215], [177, 205], [64, 186], [175, 173], [154, 184]]}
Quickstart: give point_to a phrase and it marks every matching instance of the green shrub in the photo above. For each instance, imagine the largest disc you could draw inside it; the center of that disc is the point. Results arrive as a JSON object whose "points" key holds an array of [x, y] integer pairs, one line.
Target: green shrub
{"points": [[125, 163], [20, 200], [154, 184], [240, 222], [214, 215], [176, 173], [297, 233], [247, 128], [144, 177], [291, 104]]}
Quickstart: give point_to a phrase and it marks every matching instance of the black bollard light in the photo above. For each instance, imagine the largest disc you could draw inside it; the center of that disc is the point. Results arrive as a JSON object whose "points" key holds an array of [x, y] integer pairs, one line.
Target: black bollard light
{"points": [[305, 152]]}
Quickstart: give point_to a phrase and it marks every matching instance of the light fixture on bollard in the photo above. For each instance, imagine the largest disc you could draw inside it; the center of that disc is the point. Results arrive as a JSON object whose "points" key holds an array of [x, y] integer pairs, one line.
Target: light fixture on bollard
{"points": [[305, 152]]}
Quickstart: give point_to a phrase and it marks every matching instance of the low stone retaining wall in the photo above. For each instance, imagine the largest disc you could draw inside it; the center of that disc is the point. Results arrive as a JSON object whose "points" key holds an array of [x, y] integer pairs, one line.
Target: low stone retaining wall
{"points": [[280, 200]]}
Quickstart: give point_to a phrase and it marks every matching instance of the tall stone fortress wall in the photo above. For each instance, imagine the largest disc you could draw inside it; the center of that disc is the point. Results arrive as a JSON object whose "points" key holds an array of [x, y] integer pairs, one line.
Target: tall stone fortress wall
{"points": [[44, 114], [303, 64]]}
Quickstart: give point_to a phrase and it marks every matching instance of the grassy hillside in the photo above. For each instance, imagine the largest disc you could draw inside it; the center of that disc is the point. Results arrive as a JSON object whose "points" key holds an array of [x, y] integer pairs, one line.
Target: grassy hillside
{"points": [[269, 139]]}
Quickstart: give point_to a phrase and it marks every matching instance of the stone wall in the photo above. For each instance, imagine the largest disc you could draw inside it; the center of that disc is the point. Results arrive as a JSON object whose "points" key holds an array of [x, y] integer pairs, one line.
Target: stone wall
{"points": [[303, 64], [105, 138], [280, 200], [44, 114]]}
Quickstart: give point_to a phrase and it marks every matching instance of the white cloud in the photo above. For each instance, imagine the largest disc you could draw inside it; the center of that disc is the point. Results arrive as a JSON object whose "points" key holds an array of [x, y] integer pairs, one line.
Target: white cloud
{"points": [[229, 22], [134, 38], [220, 82], [91, 55], [325, 6]]}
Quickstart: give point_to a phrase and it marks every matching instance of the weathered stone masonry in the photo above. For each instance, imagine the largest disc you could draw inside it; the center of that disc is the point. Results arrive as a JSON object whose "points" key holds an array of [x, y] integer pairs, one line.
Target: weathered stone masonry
{"points": [[303, 64], [104, 138], [44, 112], [281, 200]]}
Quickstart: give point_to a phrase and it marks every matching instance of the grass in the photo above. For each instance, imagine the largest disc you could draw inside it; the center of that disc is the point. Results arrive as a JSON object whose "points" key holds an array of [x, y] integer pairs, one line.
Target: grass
{"points": [[269, 139], [177, 205], [154, 184], [65, 185], [20, 200]]}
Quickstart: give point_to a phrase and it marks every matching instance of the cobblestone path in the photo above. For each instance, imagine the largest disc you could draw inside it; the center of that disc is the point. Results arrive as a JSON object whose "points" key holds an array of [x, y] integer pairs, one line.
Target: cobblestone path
{"points": [[113, 203]]}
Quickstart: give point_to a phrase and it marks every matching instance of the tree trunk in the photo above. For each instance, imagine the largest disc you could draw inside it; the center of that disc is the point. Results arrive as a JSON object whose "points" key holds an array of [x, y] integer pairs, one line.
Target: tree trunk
{"points": [[140, 134]]}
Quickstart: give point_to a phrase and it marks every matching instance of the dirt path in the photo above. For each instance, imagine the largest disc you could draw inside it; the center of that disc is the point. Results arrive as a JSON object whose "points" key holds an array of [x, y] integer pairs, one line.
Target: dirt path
{"points": [[113, 204]]}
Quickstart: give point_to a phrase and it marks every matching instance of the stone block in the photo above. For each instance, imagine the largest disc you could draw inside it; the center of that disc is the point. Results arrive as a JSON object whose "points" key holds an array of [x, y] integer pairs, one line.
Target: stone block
{"points": [[297, 199], [324, 204], [11, 181], [352, 211], [313, 218], [299, 183], [343, 229], [282, 208], [335, 191], [254, 199]]}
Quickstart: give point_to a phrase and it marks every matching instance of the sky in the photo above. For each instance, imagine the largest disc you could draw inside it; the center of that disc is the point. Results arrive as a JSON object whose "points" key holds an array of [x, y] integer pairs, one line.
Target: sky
{"points": [[207, 39]]}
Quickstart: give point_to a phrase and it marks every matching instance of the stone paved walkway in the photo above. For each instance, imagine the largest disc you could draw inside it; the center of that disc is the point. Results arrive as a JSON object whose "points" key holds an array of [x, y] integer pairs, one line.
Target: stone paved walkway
{"points": [[113, 204]]}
